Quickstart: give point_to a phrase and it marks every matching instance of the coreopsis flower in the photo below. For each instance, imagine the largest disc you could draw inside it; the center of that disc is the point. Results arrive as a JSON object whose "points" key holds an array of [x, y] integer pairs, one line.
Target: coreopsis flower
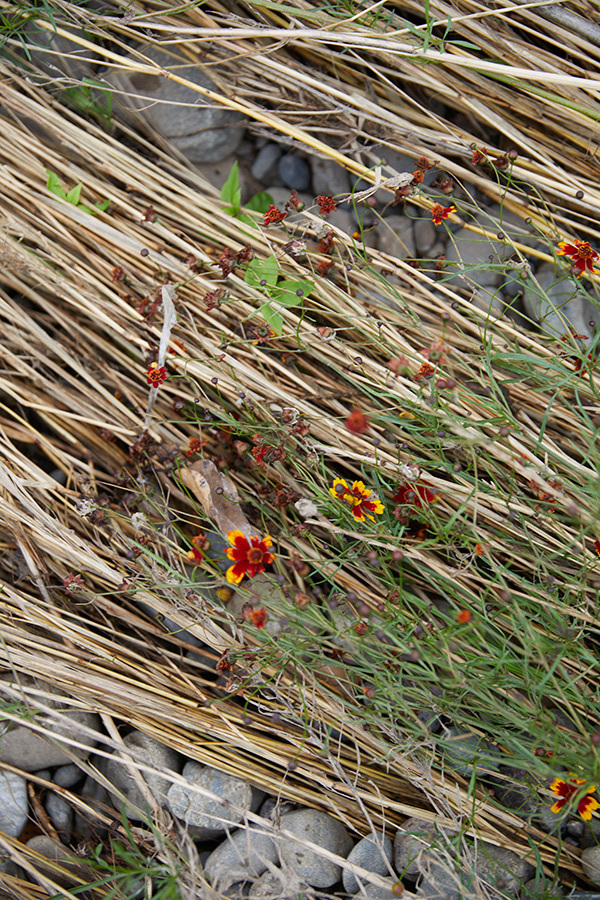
{"points": [[262, 334], [326, 205], [156, 375], [582, 255], [418, 176], [357, 422], [463, 617], [425, 371], [479, 156], [415, 494], [357, 497], [439, 212], [565, 790], [194, 446], [273, 216], [258, 616], [196, 555], [597, 547], [250, 555]]}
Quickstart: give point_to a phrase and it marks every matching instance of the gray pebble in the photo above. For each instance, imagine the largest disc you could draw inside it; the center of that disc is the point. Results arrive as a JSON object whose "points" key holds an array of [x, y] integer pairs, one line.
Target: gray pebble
{"points": [[30, 751], [57, 55], [542, 889], [13, 803], [415, 836], [150, 752], [279, 885], [502, 868], [96, 797], [204, 817], [591, 834], [264, 167], [294, 171], [274, 807], [440, 878], [202, 130], [320, 829], [329, 178], [217, 173], [471, 255], [395, 236], [67, 776], [425, 237], [590, 860], [44, 775], [243, 856], [370, 854], [55, 852], [557, 303], [61, 814]]}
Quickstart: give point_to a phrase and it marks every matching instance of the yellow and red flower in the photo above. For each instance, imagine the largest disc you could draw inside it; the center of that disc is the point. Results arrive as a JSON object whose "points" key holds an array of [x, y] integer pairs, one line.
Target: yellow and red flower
{"points": [[582, 255], [196, 555], [358, 498], [415, 494], [250, 555], [439, 212], [565, 790], [156, 375]]}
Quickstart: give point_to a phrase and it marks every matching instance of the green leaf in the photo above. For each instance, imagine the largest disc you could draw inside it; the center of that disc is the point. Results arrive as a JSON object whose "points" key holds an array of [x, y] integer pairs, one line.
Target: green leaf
{"points": [[273, 319], [287, 292], [259, 202], [54, 186], [74, 194], [231, 192], [262, 270], [103, 205], [247, 220]]}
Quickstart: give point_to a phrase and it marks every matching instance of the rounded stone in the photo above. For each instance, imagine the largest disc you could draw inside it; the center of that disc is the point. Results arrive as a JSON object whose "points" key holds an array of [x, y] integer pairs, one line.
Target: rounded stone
{"points": [[395, 237], [264, 167], [204, 816], [31, 751], [13, 803], [243, 856], [322, 830], [67, 776], [278, 885], [149, 752], [201, 129], [294, 171], [472, 260], [590, 860], [415, 836], [372, 854], [328, 177], [502, 868], [425, 236], [55, 852], [61, 813], [556, 304]]}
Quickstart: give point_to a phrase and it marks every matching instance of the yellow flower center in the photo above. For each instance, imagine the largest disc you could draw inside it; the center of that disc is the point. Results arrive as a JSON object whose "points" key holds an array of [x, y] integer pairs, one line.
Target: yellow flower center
{"points": [[585, 251]]}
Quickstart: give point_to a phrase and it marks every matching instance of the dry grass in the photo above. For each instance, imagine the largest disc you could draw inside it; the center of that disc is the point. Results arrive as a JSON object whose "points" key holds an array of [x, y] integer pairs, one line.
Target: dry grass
{"points": [[75, 350]]}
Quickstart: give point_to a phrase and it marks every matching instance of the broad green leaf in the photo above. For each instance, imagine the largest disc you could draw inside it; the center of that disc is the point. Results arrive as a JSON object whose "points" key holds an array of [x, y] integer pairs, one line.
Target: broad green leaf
{"points": [[74, 194], [286, 292], [230, 192], [273, 319], [54, 186], [262, 270], [259, 202], [247, 220]]}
